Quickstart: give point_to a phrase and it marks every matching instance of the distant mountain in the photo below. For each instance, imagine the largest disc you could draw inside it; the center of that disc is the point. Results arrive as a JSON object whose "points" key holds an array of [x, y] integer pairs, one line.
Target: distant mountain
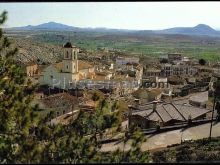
{"points": [[200, 29], [46, 26], [63, 27]]}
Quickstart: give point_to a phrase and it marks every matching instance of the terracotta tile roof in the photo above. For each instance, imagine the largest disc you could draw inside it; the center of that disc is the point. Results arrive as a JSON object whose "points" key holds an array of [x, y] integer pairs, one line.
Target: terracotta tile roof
{"points": [[81, 76], [81, 65], [59, 65], [84, 65], [41, 68], [30, 63], [91, 75], [59, 100], [99, 77]]}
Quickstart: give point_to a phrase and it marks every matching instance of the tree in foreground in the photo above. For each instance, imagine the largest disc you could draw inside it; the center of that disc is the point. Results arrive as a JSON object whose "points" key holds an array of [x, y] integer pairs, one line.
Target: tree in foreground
{"points": [[17, 117]]}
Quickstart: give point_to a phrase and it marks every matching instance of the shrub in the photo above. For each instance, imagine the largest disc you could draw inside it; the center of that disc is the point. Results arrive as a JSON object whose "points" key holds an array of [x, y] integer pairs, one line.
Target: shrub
{"points": [[159, 156]]}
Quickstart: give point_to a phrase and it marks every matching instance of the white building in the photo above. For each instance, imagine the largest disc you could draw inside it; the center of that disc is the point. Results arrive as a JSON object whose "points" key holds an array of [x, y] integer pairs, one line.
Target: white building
{"points": [[179, 70], [64, 74], [122, 61]]}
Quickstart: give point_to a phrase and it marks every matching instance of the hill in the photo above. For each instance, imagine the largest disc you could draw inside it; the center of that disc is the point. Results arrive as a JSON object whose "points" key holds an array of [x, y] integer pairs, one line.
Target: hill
{"points": [[143, 43], [47, 26], [200, 29], [30, 50]]}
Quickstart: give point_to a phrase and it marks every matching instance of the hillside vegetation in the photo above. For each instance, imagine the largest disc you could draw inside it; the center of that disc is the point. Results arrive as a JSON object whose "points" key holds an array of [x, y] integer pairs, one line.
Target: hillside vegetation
{"points": [[30, 50], [194, 151], [141, 43]]}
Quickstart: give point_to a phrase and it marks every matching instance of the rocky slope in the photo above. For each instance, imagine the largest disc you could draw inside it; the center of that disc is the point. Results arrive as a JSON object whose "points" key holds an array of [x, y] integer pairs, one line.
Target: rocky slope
{"points": [[30, 50]]}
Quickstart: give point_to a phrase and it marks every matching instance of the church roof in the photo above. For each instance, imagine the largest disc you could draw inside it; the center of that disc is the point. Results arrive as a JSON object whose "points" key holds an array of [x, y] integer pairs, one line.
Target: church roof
{"points": [[83, 65], [59, 65], [68, 45]]}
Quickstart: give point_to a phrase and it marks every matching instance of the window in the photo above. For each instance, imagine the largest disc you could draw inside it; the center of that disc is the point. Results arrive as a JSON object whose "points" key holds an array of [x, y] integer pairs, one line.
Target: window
{"points": [[67, 67], [74, 55], [51, 76], [67, 54]]}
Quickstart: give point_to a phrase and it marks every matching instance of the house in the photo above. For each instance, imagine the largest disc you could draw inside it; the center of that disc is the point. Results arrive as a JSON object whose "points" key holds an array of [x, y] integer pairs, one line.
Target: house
{"points": [[31, 68], [122, 61], [151, 72], [147, 95], [65, 74], [185, 59], [203, 68], [58, 104], [216, 70], [163, 114], [179, 70], [174, 57]]}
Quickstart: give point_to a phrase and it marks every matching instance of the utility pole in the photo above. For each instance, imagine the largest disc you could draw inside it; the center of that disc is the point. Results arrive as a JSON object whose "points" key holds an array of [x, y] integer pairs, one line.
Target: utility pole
{"points": [[129, 117], [216, 75], [72, 112], [213, 109]]}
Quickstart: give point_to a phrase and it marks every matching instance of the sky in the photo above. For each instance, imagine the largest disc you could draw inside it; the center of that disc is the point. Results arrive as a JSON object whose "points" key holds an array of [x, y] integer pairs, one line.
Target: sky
{"points": [[120, 15]]}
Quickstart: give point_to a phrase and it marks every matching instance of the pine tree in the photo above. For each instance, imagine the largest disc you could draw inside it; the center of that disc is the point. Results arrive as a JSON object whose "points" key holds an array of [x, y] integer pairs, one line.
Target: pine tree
{"points": [[16, 115]]}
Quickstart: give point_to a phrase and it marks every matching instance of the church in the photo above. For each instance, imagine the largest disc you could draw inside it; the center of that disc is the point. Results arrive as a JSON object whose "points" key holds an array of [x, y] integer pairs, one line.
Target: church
{"points": [[64, 74]]}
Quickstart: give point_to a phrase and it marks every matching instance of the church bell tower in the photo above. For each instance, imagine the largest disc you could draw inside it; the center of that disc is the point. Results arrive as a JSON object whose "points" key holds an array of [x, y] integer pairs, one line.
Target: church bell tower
{"points": [[70, 58]]}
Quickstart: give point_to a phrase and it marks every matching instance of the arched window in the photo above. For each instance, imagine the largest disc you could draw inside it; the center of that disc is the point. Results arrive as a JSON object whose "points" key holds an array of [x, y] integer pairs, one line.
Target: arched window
{"points": [[67, 54], [74, 55]]}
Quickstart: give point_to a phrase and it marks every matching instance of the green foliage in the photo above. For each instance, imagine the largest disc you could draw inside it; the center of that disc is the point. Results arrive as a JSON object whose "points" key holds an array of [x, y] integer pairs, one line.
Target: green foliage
{"points": [[202, 61], [135, 154], [216, 86], [17, 116], [217, 107], [159, 157], [194, 151], [183, 153], [144, 45], [163, 61], [95, 97]]}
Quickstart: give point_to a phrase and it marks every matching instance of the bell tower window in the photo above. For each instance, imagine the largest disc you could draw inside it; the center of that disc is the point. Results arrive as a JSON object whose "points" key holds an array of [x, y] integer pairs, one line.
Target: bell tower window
{"points": [[67, 54], [73, 55]]}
